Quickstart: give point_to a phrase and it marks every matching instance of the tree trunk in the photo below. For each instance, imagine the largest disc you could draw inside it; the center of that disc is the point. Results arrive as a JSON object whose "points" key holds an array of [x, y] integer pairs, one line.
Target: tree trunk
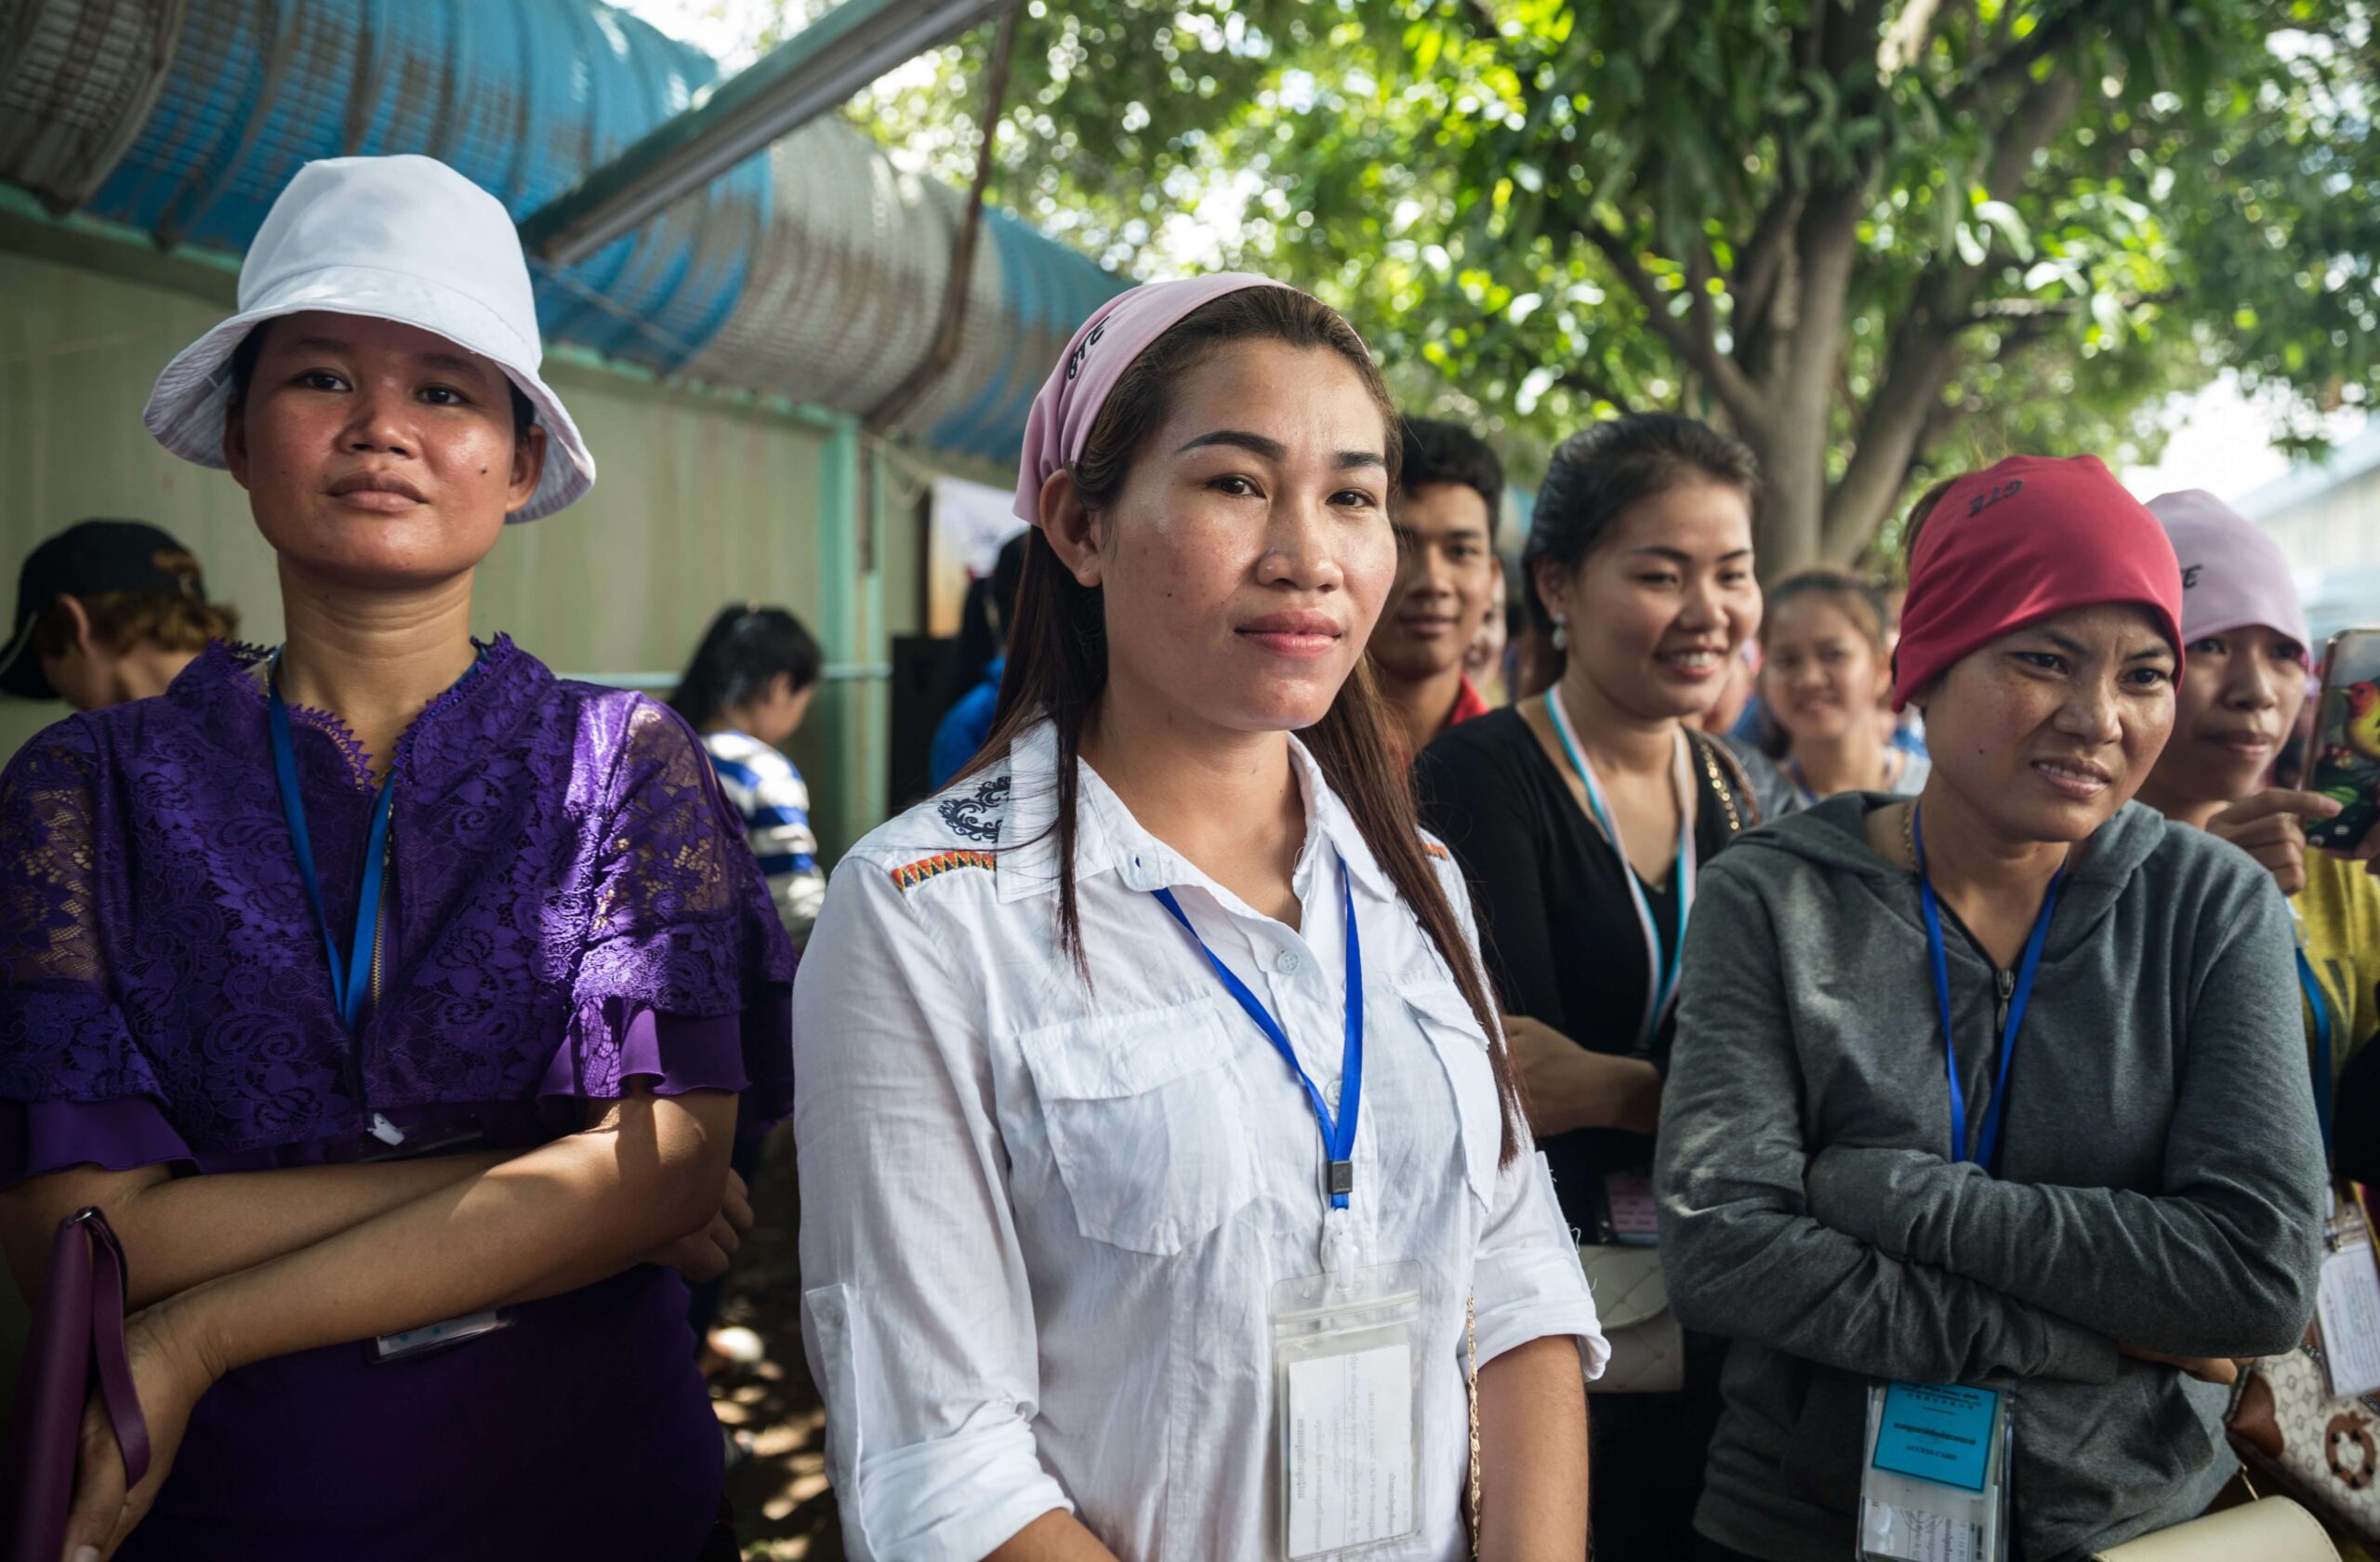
{"points": [[1792, 437]]}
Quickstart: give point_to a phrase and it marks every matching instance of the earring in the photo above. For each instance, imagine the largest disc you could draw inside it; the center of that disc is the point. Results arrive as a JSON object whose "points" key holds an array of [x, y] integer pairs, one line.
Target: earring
{"points": [[1561, 631]]}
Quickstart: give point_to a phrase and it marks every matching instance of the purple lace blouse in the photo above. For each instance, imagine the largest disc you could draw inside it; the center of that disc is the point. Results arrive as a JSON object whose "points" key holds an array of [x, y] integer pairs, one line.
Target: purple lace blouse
{"points": [[572, 906]]}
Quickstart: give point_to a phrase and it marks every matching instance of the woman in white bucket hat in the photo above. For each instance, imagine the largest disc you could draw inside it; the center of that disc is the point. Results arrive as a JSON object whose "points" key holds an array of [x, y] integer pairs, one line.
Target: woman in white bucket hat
{"points": [[451, 983]]}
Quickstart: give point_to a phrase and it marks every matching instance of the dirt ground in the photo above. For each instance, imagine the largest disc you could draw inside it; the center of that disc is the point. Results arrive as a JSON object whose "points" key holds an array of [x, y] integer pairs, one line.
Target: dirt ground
{"points": [[783, 1508]]}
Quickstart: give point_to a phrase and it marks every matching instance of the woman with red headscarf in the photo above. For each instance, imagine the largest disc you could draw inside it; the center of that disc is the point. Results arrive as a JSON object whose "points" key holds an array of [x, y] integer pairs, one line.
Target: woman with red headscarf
{"points": [[1988, 1126]]}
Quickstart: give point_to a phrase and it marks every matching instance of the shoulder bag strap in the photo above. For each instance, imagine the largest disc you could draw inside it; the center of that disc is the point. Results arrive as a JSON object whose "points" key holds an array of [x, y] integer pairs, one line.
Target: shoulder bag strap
{"points": [[1719, 767]]}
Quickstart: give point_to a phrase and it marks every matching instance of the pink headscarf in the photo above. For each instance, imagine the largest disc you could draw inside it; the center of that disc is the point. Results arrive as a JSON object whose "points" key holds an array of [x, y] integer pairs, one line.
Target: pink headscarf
{"points": [[2234, 575], [1104, 347]]}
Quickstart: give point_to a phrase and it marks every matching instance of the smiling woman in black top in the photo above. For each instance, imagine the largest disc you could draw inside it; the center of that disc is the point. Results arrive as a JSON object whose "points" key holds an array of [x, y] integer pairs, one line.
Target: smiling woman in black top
{"points": [[1580, 818]]}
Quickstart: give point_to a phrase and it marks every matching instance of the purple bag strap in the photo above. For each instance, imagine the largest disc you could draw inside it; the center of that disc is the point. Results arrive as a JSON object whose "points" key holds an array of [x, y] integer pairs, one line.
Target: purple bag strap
{"points": [[108, 1280], [80, 1326]]}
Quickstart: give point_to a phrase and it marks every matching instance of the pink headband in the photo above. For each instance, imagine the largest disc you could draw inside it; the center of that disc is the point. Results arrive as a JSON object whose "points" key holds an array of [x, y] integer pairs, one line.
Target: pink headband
{"points": [[1104, 347], [2234, 575]]}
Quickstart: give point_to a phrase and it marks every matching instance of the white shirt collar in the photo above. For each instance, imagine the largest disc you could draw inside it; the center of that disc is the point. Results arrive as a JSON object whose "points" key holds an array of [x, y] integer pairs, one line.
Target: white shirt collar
{"points": [[1107, 838]]}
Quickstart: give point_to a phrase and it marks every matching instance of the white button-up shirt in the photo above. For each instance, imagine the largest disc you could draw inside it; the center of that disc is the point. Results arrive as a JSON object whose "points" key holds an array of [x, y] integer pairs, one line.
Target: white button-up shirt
{"points": [[1042, 1221]]}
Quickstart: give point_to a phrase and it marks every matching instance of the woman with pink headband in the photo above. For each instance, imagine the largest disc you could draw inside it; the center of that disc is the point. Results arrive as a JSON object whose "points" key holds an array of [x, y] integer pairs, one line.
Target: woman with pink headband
{"points": [[2250, 653], [1988, 1126], [1164, 1192]]}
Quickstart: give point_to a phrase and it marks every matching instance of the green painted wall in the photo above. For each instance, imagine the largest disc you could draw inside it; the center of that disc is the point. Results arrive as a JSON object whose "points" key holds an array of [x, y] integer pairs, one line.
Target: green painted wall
{"points": [[703, 499]]}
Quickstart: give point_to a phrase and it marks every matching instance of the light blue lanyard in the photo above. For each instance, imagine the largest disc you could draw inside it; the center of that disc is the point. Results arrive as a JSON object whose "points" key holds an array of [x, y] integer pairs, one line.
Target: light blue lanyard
{"points": [[350, 974], [1662, 966], [1339, 1132], [1986, 1150], [2321, 1005]]}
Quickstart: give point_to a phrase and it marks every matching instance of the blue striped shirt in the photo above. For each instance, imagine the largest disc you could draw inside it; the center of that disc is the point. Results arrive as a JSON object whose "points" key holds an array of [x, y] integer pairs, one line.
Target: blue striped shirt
{"points": [[774, 802]]}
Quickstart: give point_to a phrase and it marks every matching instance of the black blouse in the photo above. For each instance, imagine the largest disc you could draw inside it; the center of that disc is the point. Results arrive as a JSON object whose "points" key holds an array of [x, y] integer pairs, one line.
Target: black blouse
{"points": [[1562, 941]]}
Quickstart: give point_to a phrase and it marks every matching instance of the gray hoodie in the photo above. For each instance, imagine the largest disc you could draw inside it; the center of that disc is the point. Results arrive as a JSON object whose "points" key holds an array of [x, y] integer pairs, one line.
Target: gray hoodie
{"points": [[2159, 1180]]}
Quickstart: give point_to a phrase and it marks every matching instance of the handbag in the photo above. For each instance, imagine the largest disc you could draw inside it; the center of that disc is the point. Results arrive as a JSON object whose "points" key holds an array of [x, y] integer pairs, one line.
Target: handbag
{"points": [[77, 1333], [2275, 1530], [2321, 1449], [1632, 1304]]}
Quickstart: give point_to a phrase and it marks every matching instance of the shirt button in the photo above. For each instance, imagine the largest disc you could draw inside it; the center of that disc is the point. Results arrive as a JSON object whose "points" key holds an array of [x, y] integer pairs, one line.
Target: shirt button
{"points": [[1287, 962]]}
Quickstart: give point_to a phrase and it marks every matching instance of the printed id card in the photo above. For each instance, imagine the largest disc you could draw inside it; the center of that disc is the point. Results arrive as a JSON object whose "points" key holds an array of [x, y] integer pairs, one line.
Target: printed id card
{"points": [[1934, 1486], [2347, 1302], [1347, 1383]]}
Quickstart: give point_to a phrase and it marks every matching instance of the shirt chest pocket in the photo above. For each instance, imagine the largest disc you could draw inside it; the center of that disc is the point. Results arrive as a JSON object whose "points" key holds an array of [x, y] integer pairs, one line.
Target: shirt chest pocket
{"points": [[1146, 1122], [1454, 1035]]}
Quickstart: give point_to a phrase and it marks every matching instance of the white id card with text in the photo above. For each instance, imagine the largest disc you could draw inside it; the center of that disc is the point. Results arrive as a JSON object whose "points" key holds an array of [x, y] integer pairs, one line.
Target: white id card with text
{"points": [[1346, 1374], [1934, 1486], [2348, 1303]]}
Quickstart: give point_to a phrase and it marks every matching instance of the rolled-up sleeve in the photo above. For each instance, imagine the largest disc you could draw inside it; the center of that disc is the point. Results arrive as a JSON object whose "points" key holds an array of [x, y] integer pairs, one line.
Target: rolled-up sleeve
{"points": [[917, 1318], [1527, 1283]]}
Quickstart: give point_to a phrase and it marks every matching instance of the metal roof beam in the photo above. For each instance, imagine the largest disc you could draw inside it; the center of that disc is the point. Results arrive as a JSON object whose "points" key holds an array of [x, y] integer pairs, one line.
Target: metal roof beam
{"points": [[807, 76]]}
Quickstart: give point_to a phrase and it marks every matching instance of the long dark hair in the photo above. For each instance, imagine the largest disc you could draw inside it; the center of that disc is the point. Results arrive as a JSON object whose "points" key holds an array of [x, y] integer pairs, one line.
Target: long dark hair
{"points": [[740, 655], [1602, 469], [1057, 643]]}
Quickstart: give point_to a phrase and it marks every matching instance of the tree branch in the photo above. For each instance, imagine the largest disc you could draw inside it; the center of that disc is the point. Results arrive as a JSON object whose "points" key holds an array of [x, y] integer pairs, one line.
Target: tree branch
{"points": [[1942, 415], [1701, 272], [1698, 351], [1753, 285], [1578, 380], [1890, 440], [2045, 107], [1994, 74], [1925, 340], [2000, 311]]}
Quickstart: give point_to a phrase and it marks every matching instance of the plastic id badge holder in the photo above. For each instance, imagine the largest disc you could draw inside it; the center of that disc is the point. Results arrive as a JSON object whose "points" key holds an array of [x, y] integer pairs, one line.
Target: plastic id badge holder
{"points": [[1346, 1387], [433, 1337], [1934, 1486]]}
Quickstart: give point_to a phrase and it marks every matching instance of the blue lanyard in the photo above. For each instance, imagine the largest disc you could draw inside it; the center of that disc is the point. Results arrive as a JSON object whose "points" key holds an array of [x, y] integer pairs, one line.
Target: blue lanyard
{"points": [[350, 976], [2322, 1047], [1662, 966], [1339, 1132], [1986, 1149]]}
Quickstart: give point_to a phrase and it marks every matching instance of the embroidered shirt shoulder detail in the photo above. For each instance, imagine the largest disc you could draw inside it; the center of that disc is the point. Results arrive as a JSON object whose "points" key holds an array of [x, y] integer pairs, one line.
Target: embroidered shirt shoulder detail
{"points": [[909, 875], [977, 815]]}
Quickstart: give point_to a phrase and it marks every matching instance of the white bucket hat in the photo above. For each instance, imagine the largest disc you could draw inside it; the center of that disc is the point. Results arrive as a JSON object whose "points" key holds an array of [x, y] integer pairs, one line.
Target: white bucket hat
{"points": [[407, 239]]}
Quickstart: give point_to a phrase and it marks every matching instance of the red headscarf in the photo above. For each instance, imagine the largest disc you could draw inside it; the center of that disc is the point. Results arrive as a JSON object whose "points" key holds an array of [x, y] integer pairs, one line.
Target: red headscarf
{"points": [[2024, 540]]}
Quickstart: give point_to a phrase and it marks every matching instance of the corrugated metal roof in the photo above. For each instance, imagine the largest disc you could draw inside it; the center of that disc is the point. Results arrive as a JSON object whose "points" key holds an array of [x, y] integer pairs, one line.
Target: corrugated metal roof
{"points": [[814, 272]]}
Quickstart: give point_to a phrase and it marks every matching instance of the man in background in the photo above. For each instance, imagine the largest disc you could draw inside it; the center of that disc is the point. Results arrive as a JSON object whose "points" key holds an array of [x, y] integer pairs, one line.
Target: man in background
{"points": [[1447, 498], [108, 611]]}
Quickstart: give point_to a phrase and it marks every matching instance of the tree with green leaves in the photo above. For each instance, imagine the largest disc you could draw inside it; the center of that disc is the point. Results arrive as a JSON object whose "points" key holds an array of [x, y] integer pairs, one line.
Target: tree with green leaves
{"points": [[1879, 239]]}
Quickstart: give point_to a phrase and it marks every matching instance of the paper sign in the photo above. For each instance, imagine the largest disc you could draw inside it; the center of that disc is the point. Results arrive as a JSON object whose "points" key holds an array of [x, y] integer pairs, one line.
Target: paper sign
{"points": [[1937, 1432], [1350, 1449], [2350, 1309]]}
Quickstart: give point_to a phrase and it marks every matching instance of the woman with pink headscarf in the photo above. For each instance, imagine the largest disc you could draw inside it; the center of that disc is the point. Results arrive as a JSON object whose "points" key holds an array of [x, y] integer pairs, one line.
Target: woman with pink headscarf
{"points": [[2249, 653], [1164, 1191]]}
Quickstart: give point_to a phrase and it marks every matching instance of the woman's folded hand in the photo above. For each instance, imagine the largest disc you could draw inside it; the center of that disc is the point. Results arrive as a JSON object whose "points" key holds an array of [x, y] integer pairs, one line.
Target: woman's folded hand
{"points": [[702, 1254], [173, 1365], [2220, 1370]]}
